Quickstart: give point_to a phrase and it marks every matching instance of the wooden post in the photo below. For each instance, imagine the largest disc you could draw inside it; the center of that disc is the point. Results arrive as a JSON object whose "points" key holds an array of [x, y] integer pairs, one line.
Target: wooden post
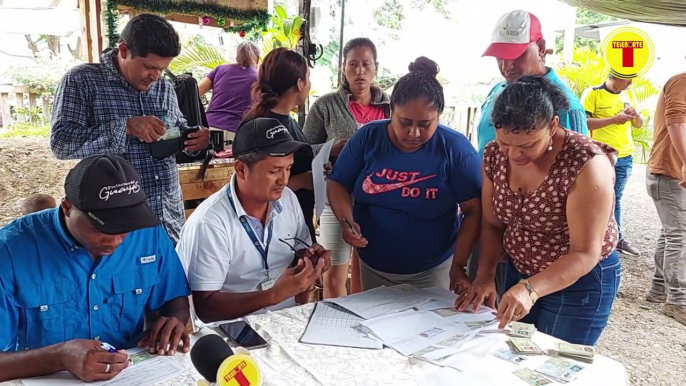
{"points": [[46, 110], [20, 105], [5, 106], [32, 105]]}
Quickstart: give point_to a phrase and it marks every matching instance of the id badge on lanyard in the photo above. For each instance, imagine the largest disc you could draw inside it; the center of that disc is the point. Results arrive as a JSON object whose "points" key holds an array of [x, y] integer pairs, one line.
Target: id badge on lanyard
{"points": [[267, 282]]}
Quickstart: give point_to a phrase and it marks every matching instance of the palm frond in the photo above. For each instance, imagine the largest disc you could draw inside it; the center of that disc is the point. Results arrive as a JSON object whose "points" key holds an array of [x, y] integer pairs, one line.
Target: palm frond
{"points": [[197, 54]]}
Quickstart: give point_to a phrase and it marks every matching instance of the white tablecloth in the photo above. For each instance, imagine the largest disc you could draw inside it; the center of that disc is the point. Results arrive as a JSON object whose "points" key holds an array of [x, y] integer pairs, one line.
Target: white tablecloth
{"points": [[285, 362]]}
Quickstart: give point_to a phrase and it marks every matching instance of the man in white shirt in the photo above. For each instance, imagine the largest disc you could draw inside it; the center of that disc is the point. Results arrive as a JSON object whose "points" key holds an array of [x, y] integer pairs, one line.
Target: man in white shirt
{"points": [[238, 247]]}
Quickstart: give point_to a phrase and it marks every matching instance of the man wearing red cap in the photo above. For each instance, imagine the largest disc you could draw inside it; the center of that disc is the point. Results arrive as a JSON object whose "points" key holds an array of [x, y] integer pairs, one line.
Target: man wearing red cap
{"points": [[518, 45]]}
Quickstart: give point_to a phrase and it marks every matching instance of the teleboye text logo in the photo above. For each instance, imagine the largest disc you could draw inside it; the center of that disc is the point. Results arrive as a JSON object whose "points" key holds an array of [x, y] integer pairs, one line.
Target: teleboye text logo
{"points": [[628, 52]]}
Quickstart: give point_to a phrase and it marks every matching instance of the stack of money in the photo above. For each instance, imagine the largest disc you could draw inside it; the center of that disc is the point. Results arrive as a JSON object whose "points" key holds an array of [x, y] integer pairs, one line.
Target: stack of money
{"points": [[533, 378], [560, 369], [579, 352], [524, 346], [522, 330]]}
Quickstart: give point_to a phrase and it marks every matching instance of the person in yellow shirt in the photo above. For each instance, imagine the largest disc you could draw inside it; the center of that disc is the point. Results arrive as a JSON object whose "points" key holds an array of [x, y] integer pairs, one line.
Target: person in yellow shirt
{"points": [[610, 116]]}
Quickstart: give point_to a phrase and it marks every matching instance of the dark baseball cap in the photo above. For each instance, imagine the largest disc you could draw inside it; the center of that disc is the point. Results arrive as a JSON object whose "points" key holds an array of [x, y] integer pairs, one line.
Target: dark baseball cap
{"points": [[107, 189], [267, 136]]}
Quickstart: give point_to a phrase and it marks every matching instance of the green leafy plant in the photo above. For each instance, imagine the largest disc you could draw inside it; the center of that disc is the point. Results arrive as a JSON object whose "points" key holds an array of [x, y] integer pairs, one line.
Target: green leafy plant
{"points": [[43, 77], [34, 114], [588, 69], [197, 54], [284, 31], [26, 129]]}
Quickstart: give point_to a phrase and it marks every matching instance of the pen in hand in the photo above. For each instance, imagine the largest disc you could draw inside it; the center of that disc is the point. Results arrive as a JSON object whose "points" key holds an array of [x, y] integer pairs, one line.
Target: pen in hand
{"points": [[349, 226]]}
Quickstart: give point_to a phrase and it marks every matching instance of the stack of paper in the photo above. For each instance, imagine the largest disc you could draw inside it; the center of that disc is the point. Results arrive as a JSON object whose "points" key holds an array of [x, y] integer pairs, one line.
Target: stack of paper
{"points": [[382, 301], [410, 331]]}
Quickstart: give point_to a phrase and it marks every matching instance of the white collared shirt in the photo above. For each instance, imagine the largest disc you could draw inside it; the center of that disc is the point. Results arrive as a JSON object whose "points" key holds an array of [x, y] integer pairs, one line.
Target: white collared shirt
{"points": [[217, 252]]}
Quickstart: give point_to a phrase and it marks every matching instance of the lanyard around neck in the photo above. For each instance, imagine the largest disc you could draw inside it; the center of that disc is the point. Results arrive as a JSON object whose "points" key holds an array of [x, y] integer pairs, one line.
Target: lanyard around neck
{"points": [[251, 233]]}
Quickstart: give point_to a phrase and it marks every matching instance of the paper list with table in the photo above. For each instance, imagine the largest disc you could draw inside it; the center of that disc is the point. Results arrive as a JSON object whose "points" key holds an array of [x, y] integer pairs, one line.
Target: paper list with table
{"points": [[412, 321], [146, 369], [422, 324]]}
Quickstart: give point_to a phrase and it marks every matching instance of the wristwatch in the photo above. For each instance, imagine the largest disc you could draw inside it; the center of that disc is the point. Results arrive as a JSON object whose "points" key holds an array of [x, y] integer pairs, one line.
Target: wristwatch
{"points": [[532, 293]]}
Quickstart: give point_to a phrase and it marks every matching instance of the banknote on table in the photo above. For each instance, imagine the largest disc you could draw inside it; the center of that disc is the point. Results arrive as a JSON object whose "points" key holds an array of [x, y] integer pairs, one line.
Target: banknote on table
{"points": [[576, 351], [524, 346], [533, 378], [522, 330], [509, 356], [560, 369], [445, 312]]}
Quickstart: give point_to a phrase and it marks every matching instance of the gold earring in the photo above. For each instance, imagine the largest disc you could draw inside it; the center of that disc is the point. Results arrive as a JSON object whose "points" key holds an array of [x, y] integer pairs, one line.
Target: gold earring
{"points": [[550, 145]]}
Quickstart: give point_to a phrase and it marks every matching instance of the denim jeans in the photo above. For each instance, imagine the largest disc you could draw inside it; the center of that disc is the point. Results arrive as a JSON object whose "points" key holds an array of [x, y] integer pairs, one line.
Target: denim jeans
{"points": [[623, 169], [670, 254], [579, 313]]}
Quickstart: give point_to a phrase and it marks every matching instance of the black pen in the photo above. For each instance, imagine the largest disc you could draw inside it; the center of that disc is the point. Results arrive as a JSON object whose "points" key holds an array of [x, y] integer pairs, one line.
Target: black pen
{"points": [[349, 225]]}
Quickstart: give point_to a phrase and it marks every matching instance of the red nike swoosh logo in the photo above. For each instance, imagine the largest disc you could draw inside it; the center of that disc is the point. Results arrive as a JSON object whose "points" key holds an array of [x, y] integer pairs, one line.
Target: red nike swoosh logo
{"points": [[370, 187]]}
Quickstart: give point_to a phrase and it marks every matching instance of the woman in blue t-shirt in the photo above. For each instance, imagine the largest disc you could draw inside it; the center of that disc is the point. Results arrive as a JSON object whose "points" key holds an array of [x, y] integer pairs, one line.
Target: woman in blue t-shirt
{"points": [[408, 175]]}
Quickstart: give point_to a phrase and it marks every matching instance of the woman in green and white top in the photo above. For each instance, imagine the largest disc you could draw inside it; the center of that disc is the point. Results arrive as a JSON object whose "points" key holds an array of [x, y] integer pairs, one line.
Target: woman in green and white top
{"points": [[338, 115]]}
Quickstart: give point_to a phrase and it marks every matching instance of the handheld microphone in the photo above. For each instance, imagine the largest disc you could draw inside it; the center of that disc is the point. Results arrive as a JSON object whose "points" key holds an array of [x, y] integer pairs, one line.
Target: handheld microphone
{"points": [[217, 363]]}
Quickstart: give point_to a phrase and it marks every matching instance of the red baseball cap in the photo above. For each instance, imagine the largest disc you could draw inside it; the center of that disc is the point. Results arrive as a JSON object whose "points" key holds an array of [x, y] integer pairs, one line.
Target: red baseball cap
{"points": [[512, 35]]}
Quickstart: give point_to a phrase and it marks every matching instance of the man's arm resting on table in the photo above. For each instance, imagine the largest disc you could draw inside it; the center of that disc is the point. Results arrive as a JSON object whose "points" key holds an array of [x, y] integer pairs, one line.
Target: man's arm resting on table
{"points": [[178, 308], [212, 306], [32, 363]]}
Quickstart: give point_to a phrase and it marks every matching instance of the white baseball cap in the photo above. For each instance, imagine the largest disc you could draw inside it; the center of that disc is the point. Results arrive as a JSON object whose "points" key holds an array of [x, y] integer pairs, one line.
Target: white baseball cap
{"points": [[512, 35]]}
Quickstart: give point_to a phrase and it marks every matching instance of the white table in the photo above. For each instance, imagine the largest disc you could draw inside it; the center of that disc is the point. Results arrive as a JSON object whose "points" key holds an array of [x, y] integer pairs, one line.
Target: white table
{"points": [[285, 362]]}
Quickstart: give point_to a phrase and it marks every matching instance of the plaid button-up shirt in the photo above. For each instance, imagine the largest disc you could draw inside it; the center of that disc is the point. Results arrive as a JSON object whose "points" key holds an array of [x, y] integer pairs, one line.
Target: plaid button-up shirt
{"points": [[92, 105]]}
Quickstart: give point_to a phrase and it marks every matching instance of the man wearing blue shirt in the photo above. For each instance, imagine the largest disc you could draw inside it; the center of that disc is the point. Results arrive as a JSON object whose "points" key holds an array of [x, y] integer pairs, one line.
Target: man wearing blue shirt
{"points": [[518, 45], [85, 273]]}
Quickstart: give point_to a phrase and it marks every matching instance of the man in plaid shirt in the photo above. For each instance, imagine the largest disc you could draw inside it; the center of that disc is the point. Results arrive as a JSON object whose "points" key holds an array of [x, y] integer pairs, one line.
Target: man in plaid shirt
{"points": [[120, 105]]}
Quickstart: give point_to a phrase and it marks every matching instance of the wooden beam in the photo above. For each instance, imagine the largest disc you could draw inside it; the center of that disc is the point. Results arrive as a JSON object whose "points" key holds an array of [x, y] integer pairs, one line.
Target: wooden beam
{"points": [[95, 22], [86, 34]]}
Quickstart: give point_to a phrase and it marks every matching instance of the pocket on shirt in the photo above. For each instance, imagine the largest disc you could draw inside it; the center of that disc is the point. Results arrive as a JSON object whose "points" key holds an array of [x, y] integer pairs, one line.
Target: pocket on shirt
{"points": [[131, 291], [48, 313]]}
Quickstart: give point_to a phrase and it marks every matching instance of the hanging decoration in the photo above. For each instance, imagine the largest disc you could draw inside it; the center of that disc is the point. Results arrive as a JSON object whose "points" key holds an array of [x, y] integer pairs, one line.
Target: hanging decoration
{"points": [[241, 34], [206, 20], [251, 19], [221, 22]]}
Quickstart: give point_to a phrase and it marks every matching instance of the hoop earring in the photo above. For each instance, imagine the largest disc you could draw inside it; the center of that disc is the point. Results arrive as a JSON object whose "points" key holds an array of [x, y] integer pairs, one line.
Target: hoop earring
{"points": [[550, 145]]}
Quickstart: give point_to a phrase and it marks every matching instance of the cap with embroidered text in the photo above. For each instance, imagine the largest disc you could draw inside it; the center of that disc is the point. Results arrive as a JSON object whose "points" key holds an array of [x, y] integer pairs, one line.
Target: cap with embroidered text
{"points": [[106, 188], [512, 35], [265, 135]]}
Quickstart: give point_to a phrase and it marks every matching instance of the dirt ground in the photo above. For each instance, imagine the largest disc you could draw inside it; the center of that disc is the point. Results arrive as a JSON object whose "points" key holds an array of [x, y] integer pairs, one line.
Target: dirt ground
{"points": [[651, 345]]}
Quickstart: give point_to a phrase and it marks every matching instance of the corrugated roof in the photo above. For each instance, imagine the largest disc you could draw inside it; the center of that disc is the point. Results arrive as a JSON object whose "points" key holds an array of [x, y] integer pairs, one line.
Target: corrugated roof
{"points": [[671, 12]]}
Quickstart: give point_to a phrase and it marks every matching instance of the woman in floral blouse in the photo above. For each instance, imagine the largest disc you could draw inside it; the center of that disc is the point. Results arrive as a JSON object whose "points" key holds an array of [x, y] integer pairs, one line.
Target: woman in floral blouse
{"points": [[547, 203]]}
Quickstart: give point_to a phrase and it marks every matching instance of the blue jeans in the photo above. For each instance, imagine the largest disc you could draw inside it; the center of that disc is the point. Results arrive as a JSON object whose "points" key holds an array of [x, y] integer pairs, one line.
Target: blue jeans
{"points": [[623, 169], [579, 313]]}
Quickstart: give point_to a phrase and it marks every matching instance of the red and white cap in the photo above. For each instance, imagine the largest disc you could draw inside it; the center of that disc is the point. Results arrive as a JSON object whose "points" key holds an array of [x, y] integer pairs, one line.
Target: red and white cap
{"points": [[512, 35]]}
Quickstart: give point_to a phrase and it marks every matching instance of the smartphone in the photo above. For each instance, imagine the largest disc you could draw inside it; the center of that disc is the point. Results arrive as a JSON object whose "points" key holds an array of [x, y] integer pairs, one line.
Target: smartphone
{"points": [[243, 335]]}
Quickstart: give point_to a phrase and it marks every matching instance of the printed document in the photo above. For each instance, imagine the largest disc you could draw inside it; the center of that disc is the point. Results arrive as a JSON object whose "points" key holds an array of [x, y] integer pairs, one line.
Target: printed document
{"points": [[382, 300], [409, 332], [333, 325], [147, 369]]}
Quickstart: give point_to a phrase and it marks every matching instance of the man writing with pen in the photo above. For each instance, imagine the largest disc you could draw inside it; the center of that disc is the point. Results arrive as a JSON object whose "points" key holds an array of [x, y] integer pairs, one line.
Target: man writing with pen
{"points": [[239, 246], [76, 281]]}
